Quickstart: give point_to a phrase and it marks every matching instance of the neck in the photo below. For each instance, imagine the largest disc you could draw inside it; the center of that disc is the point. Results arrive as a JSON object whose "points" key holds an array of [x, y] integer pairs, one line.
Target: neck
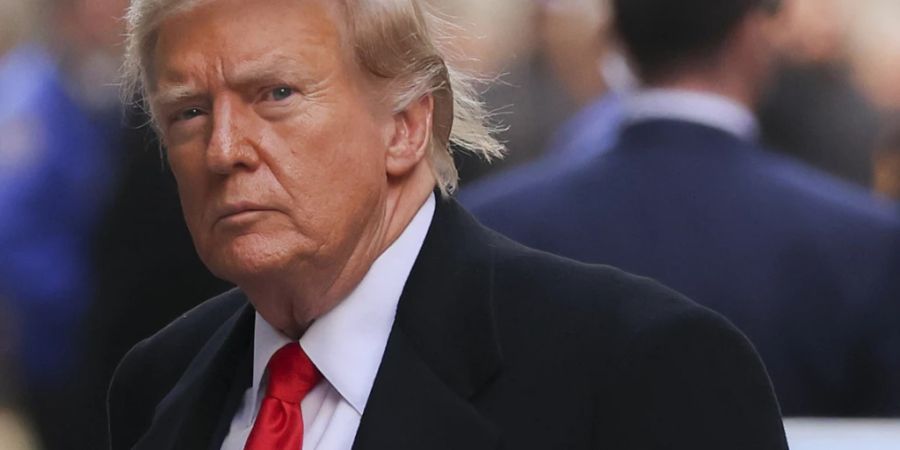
{"points": [[302, 294], [725, 83]]}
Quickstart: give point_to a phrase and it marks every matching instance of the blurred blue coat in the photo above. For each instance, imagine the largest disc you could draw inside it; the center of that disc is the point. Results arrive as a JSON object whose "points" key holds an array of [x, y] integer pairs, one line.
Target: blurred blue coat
{"points": [[55, 171], [590, 132], [806, 266]]}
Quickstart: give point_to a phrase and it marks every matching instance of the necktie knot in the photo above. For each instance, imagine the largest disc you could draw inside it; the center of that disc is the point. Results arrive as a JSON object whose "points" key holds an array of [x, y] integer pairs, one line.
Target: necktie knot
{"points": [[279, 424], [291, 374]]}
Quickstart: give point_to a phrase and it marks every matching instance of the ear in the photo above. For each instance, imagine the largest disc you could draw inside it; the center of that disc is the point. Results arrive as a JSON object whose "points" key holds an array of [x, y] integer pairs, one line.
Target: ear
{"points": [[411, 137]]}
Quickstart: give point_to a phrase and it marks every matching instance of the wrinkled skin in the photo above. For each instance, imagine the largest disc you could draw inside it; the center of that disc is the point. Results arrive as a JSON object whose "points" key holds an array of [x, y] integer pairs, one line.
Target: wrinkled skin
{"points": [[293, 173]]}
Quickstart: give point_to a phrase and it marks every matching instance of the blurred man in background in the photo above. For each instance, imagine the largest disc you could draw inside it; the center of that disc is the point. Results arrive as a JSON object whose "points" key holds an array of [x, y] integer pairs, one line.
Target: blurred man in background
{"points": [[575, 39], [815, 111], [56, 170], [540, 60], [806, 266], [87, 38]]}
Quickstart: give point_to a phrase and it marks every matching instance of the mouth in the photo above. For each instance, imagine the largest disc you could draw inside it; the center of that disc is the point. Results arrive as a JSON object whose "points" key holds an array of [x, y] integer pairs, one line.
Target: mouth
{"points": [[236, 211]]}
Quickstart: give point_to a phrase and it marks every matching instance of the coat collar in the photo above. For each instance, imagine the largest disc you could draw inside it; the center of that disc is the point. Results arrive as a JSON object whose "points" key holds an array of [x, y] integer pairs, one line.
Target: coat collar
{"points": [[671, 133], [192, 415], [443, 348], [702, 108]]}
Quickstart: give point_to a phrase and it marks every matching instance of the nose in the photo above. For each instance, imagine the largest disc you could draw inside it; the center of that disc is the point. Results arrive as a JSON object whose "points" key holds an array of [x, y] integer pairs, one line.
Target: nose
{"points": [[231, 147]]}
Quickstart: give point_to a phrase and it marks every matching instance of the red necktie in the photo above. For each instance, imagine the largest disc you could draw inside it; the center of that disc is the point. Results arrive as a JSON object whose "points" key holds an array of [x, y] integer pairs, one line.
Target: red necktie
{"points": [[279, 425]]}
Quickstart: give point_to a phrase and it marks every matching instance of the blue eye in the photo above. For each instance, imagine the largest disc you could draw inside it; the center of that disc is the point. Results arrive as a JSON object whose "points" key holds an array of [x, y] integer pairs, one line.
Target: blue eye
{"points": [[189, 114], [281, 93]]}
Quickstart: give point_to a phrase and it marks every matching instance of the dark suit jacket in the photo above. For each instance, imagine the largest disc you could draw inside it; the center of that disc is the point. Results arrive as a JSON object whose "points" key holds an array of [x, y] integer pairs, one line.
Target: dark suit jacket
{"points": [[494, 346], [807, 266]]}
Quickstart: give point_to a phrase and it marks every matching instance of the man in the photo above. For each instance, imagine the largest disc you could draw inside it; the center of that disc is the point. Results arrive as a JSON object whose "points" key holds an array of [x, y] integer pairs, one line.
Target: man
{"points": [[806, 266], [307, 138]]}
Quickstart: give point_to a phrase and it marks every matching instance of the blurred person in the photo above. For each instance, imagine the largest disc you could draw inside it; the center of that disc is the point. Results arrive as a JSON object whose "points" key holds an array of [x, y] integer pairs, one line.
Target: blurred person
{"points": [[310, 143], [87, 37], [807, 266], [874, 49], [539, 60], [886, 163], [575, 35], [576, 39], [140, 236], [571, 34], [814, 109], [55, 171]]}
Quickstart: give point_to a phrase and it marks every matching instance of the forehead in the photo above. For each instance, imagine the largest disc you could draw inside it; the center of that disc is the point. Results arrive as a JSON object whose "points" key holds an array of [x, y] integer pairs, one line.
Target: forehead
{"points": [[224, 35]]}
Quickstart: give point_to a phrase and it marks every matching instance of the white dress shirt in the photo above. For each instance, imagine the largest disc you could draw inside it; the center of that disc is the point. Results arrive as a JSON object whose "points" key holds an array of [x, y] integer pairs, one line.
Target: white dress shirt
{"points": [[346, 345], [707, 109]]}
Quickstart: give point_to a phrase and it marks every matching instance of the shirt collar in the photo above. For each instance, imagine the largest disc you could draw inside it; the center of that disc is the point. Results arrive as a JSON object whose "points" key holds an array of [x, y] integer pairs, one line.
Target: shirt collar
{"points": [[707, 109], [347, 343]]}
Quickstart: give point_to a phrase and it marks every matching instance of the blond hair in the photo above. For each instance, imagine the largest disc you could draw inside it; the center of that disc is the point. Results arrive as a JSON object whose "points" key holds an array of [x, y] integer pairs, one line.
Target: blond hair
{"points": [[400, 41]]}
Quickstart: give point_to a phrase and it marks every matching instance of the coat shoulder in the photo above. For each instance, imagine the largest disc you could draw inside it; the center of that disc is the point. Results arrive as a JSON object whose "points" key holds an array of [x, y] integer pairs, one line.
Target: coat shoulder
{"points": [[578, 290], [150, 369], [185, 335], [644, 353]]}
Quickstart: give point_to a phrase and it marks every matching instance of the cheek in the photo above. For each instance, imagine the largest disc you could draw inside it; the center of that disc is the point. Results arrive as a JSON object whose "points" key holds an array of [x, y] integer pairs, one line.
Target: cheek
{"points": [[327, 155], [356, 170], [333, 176], [363, 147], [189, 175]]}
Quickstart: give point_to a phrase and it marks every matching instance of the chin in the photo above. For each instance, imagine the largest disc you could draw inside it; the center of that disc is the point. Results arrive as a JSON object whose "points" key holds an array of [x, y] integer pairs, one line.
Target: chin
{"points": [[246, 265], [242, 272]]}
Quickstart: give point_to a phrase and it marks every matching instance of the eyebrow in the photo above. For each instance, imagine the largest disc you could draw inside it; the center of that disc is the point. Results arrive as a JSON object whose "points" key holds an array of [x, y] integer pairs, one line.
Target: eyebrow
{"points": [[271, 67], [174, 94]]}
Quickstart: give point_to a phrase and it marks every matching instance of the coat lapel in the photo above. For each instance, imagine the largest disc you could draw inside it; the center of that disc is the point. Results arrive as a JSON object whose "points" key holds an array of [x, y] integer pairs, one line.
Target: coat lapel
{"points": [[412, 408], [196, 412], [443, 347]]}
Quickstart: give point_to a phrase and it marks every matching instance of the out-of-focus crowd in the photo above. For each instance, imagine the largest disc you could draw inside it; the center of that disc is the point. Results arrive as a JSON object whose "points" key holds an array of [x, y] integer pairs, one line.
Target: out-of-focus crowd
{"points": [[94, 255]]}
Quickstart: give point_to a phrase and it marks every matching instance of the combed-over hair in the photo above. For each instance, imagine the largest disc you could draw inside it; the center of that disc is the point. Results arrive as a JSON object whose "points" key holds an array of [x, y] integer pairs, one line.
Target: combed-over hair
{"points": [[399, 41]]}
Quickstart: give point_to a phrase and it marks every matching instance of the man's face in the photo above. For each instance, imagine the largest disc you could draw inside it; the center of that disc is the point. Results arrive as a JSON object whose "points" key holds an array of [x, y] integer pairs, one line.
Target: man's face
{"points": [[274, 135]]}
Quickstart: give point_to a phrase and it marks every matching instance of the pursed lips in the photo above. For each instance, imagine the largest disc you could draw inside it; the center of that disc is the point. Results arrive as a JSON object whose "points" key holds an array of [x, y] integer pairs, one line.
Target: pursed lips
{"points": [[236, 209]]}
